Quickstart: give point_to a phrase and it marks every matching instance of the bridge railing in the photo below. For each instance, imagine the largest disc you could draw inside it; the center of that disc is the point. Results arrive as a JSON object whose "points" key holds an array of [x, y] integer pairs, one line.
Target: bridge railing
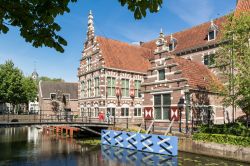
{"points": [[67, 118]]}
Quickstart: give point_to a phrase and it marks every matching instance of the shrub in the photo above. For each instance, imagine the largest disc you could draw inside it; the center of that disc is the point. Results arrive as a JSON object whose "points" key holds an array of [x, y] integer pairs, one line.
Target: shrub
{"points": [[237, 129], [222, 139]]}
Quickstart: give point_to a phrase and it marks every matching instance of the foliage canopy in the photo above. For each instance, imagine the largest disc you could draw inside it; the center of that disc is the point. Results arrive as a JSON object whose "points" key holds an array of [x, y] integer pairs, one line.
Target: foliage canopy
{"points": [[14, 87], [233, 59], [36, 18]]}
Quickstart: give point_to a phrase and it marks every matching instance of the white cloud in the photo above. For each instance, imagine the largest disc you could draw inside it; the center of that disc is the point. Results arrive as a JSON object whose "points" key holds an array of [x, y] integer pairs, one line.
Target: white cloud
{"points": [[192, 11]]}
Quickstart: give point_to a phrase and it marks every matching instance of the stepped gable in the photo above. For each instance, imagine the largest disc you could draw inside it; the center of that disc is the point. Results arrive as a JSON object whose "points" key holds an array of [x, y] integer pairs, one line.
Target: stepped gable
{"points": [[124, 56], [192, 38], [48, 87], [242, 6], [198, 75]]}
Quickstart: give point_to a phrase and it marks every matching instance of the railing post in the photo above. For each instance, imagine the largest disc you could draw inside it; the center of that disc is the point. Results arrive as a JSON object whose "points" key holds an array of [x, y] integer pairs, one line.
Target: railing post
{"points": [[127, 123], [145, 123]]}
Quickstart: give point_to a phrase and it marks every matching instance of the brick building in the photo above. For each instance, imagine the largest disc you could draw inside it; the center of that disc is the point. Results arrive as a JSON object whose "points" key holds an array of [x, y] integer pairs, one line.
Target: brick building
{"points": [[110, 76], [170, 77], [64, 93]]}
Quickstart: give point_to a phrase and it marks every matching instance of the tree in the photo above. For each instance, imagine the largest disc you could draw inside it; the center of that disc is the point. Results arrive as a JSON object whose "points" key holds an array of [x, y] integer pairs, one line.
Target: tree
{"points": [[14, 87], [30, 90], [36, 18], [11, 89], [233, 59]]}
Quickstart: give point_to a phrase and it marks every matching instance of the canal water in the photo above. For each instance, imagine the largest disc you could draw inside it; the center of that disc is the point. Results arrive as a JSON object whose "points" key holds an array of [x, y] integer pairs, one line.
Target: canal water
{"points": [[28, 146]]}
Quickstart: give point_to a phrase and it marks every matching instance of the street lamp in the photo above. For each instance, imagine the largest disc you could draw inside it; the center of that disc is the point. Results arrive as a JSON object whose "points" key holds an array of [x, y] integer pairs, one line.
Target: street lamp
{"points": [[132, 95], [180, 108], [118, 96], [187, 108]]}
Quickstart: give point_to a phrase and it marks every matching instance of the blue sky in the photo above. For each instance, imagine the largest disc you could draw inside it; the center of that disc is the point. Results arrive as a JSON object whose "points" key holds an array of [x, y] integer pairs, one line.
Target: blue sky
{"points": [[112, 21]]}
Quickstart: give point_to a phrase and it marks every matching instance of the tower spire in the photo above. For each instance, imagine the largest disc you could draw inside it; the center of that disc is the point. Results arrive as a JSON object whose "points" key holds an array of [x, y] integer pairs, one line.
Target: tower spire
{"points": [[91, 28]]}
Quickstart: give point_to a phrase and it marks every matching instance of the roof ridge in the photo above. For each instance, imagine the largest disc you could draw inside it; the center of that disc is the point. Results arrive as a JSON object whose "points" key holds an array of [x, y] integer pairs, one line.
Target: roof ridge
{"points": [[123, 42], [186, 29]]}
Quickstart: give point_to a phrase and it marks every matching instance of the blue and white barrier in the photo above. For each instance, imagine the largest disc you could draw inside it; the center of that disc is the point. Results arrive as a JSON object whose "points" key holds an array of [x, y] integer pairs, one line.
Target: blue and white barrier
{"points": [[143, 142]]}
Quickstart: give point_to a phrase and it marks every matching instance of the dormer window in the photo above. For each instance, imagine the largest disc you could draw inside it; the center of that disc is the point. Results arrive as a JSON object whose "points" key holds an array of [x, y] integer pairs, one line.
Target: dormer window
{"points": [[171, 47], [173, 43], [212, 31], [53, 96], [211, 35]]}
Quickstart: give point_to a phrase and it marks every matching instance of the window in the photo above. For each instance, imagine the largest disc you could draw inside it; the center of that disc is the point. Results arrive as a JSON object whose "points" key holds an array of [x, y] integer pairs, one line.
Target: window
{"points": [[161, 74], [66, 97], [211, 35], [88, 63], [137, 112], [89, 112], [171, 46], [173, 43], [89, 88], [82, 89], [97, 83], [53, 96], [209, 60], [96, 113], [111, 111], [137, 88], [111, 86], [86, 112], [125, 87], [82, 111], [162, 104], [125, 112]]}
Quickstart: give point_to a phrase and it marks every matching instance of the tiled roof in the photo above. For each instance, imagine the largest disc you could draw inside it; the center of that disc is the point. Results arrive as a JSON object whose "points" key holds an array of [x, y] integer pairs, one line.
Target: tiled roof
{"points": [[242, 6], [47, 87], [191, 38], [124, 56], [198, 75]]}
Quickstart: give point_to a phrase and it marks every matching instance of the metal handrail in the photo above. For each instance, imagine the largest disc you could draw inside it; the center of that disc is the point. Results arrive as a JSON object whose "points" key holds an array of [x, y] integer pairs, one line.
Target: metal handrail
{"points": [[169, 127]]}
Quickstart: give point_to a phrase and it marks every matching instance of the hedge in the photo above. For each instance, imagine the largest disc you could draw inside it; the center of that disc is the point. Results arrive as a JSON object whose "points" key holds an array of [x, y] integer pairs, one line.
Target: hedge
{"points": [[237, 129], [222, 139]]}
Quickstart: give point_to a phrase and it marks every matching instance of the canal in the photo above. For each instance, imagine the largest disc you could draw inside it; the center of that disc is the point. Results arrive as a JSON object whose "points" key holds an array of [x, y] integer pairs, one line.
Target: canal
{"points": [[28, 146]]}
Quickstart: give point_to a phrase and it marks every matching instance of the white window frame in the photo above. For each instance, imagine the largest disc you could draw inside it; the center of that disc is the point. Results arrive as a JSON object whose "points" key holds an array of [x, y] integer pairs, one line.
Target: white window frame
{"points": [[215, 35], [136, 110], [126, 87], [53, 94]]}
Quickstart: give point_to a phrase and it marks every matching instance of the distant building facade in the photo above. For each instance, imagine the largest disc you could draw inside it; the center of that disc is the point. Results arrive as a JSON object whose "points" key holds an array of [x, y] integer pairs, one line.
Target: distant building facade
{"points": [[34, 105], [58, 98]]}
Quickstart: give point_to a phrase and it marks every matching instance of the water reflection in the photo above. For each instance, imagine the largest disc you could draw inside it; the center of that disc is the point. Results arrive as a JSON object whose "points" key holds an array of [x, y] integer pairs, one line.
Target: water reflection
{"points": [[128, 156], [28, 146]]}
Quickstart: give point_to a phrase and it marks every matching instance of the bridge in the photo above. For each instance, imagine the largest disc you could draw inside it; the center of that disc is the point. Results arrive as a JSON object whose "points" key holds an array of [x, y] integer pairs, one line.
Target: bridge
{"points": [[82, 124]]}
